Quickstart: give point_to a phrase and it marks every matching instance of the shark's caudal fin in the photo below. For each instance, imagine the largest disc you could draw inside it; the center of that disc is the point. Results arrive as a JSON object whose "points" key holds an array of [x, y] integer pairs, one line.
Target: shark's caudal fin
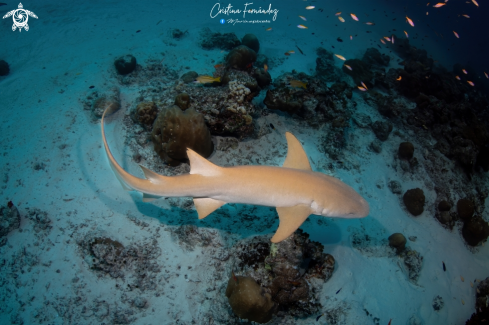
{"points": [[292, 218]]}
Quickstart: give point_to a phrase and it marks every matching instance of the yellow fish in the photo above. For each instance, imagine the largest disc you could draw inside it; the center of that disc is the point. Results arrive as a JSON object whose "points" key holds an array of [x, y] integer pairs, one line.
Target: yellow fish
{"points": [[207, 79], [341, 57], [292, 52], [341, 19], [310, 7], [475, 2], [298, 84], [301, 26], [439, 4], [269, 29], [462, 278]]}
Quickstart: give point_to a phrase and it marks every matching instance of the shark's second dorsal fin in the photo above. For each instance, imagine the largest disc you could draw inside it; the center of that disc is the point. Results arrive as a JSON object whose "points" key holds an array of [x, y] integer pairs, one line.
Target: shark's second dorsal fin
{"points": [[200, 165], [296, 156], [151, 175]]}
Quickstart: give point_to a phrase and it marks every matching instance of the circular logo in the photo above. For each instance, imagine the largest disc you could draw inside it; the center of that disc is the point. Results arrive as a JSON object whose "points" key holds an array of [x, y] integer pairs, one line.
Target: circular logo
{"points": [[222, 21]]}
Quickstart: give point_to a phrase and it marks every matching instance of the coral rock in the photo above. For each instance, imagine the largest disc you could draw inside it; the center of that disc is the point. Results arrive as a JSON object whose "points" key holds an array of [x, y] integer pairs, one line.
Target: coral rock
{"points": [[240, 57], [397, 241], [175, 130], [475, 231], [414, 200], [146, 113], [183, 101], [406, 150], [125, 64], [465, 208], [251, 41]]}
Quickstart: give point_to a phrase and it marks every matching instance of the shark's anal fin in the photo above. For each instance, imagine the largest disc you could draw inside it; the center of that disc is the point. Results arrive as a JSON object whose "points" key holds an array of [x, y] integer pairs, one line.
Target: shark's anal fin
{"points": [[149, 197], [296, 156], [290, 220], [206, 206]]}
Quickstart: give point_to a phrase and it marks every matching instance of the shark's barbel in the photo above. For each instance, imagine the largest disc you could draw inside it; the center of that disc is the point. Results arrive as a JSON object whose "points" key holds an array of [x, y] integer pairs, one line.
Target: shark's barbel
{"points": [[294, 189]]}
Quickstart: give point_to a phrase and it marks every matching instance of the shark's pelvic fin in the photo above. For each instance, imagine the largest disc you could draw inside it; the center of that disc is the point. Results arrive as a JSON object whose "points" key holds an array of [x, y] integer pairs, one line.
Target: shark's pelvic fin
{"points": [[290, 220], [206, 206], [149, 197], [296, 156], [200, 165]]}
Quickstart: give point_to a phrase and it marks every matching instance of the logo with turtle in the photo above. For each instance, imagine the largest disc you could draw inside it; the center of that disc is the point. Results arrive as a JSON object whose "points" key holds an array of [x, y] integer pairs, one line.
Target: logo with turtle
{"points": [[20, 17]]}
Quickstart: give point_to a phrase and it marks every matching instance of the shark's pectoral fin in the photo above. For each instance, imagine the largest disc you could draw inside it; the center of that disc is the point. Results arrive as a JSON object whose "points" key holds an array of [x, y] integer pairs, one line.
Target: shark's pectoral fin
{"points": [[206, 206], [149, 197], [290, 220], [296, 156]]}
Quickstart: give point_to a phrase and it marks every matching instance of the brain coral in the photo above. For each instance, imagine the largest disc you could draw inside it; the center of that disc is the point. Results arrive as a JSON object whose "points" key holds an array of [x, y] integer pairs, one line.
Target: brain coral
{"points": [[175, 130]]}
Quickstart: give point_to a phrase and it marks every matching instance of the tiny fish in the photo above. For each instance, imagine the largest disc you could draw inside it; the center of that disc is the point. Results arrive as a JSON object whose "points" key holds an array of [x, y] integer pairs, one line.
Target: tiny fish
{"points": [[444, 267], [471, 284], [464, 71], [268, 29], [478, 291], [301, 26], [300, 50], [138, 31], [439, 4], [291, 52], [407, 36], [354, 17], [387, 38], [409, 21], [298, 84], [470, 83], [456, 35], [207, 79], [466, 16], [310, 7], [462, 278], [392, 39], [486, 75], [273, 127], [338, 291], [399, 79], [217, 66], [91, 87], [338, 13], [67, 200], [383, 42], [364, 85], [2, 4], [317, 318], [341, 57], [475, 2], [457, 77], [234, 277], [287, 53], [339, 39], [159, 22], [351, 38], [369, 23], [361, 88], [265, 67], [463, 302], [303, 18], [341, 19], [348, 67]]}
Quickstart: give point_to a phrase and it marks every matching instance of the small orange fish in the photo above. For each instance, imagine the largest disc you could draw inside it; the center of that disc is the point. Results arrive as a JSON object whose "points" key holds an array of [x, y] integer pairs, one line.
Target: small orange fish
{"points": [[409, 21], [287, 53], [341, 57], [301, 26], [303, 18], [427, 4], [298, 84], [217, 66], [464, 71], [369, 23], [383, 42], [472, 84], [269, 29], [364, 85], [466, 16], [338, 13], [462, 278], [486, 75], [475, 2], [354, 17], [235, 278], [407, 36], [348, 67], [265, 67], [341, 19], [439, 4], [457, 77], [310, 7], [387, 38], [399, 79], [456, 35], [361, 88], [471, 284]]}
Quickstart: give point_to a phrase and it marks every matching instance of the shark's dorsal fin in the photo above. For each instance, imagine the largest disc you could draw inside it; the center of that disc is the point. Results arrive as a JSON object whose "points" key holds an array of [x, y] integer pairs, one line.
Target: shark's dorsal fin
{"points": [[291, 219], [200, 165], [206, 206], [296, 156], [151, 175]]}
